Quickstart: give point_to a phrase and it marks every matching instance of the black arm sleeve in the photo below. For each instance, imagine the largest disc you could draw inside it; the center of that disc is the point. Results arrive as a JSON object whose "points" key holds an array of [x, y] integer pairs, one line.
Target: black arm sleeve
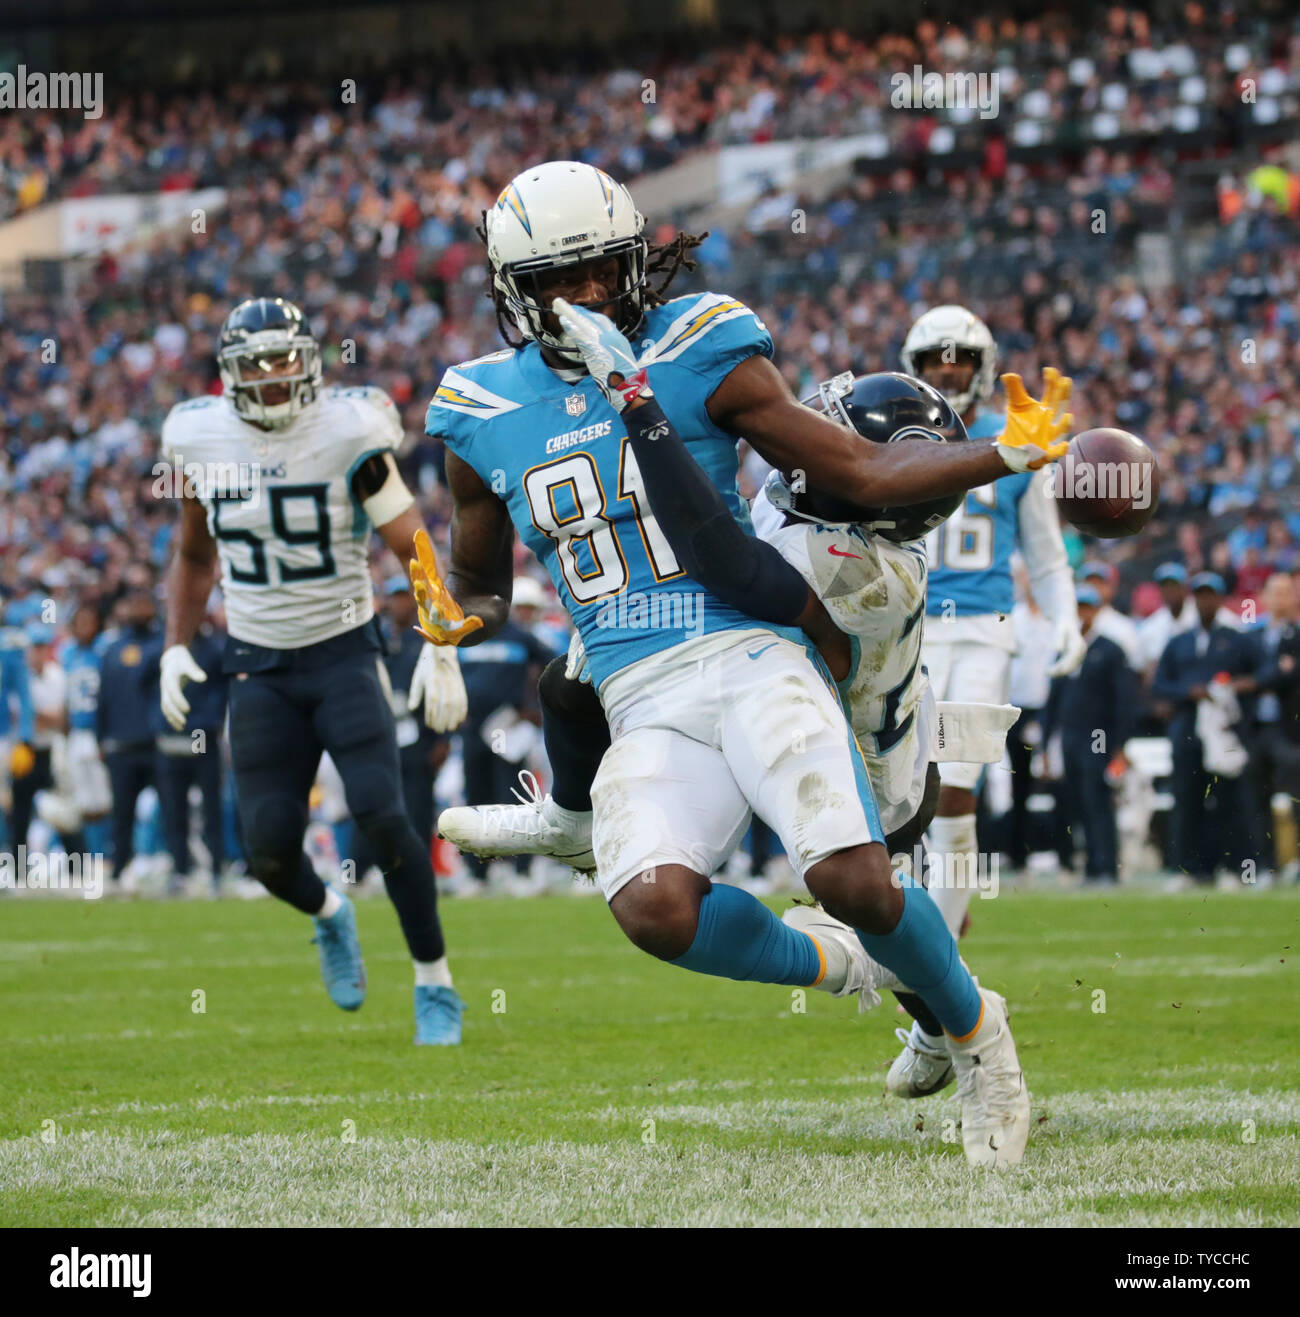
{"points": [[369, 477], [743, 571]]}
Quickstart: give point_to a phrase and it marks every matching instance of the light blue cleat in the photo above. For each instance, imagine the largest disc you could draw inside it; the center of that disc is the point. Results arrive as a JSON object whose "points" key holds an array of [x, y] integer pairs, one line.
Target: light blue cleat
{"points": [[339, 949], [437, 1016]]}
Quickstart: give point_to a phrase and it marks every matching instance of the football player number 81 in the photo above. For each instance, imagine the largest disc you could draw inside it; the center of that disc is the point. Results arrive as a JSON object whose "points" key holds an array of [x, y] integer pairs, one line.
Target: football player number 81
{"points": [[567, 502]]}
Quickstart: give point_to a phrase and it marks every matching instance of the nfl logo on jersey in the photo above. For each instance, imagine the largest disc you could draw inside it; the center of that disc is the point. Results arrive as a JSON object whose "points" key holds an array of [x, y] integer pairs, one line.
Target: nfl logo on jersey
{"points": [[575, 404]]}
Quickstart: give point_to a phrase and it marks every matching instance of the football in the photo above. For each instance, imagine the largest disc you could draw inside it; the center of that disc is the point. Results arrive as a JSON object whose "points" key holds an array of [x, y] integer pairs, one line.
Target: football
{"points": [[1108, 483]]}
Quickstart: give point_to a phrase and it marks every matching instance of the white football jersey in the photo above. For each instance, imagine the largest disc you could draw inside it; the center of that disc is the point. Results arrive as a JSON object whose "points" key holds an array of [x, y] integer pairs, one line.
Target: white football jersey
{"points": [[292, 537], [874, 591]]}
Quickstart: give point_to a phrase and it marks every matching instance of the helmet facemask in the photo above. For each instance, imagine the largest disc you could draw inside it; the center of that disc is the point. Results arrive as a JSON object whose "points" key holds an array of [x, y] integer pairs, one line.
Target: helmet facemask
{"points": [[980, 386], [520, 285], [241, 364]]}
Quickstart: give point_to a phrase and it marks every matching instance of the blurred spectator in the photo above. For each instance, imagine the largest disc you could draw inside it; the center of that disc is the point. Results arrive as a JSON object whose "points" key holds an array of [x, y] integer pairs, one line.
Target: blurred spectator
{"points": [[1094, 710], [191, 758], [1108, 620], [1201, 676], [49, 704], [422, 752], [1277, 764], [365, 213], [17, 719], [128, 700], [502, 727]]}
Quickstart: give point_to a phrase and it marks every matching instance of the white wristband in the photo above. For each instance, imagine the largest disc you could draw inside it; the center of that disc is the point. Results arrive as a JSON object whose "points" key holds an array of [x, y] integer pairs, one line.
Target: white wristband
{"points": [[391, 499]]}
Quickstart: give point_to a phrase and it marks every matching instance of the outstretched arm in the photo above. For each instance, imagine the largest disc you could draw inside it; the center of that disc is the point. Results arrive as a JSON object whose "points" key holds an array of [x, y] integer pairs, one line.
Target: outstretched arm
{"points": [[755, 403]]}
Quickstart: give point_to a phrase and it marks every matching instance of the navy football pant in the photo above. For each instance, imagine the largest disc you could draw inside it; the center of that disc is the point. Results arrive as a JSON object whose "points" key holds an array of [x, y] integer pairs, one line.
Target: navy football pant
{"points": [[175, 774], [130, 771], [280, 722]]}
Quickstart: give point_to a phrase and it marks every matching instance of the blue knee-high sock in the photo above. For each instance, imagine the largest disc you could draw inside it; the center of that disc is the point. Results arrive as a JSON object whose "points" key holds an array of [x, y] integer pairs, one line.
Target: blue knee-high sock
{"points": [[923, 953], [738, 937]]}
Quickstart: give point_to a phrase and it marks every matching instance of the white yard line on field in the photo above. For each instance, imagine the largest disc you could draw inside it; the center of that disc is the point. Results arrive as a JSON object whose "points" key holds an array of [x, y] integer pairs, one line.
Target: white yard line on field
{"points": [[275, 1180]]}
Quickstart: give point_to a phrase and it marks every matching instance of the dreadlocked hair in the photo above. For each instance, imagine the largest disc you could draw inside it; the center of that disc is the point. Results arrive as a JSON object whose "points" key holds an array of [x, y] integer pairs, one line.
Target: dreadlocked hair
{"points": [[665, 258]]}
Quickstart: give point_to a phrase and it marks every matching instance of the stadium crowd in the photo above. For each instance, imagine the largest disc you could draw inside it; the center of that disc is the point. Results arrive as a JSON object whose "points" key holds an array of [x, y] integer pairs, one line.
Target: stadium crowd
{"points": [[429, 147], [365, 217]]}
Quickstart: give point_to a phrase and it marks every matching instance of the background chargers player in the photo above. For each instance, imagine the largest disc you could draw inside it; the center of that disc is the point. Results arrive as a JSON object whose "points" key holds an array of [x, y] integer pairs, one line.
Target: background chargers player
{"points": [[87, 783], [970, 639], [283, 480]]}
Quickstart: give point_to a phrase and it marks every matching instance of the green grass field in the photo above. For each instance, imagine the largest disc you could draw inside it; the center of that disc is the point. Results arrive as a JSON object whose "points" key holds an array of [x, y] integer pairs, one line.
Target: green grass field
{"points": [[597, 1086]]}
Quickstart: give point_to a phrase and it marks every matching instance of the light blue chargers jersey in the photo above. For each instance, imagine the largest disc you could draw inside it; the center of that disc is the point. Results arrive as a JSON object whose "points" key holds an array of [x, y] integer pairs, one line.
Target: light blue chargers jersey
{"points": [[82, 665], [17, 714], [970, 554], [558, 456]]}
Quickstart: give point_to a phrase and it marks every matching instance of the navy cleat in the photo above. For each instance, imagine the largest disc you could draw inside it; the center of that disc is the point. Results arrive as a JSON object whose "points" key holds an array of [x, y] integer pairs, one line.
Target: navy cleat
{"points": [[339, 949], [437, 1015]]}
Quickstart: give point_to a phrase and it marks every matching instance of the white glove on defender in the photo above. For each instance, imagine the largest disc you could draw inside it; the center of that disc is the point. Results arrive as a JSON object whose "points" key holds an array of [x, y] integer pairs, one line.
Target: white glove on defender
{"points": [[177, 667], [437, 684], [575, 663], [1070, 648]]}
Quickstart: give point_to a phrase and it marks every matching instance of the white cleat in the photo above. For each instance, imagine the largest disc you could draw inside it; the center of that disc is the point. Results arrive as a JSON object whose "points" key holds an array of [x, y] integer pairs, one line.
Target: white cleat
{"points": [[991, 1086], [847, 962], [535, 826], [920, 1069]]}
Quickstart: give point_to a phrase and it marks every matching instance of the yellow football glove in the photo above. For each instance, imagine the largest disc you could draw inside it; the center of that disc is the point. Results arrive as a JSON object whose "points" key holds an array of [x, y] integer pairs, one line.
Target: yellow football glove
{"points": [[22, 759], [1036, 432], [442, 620]]}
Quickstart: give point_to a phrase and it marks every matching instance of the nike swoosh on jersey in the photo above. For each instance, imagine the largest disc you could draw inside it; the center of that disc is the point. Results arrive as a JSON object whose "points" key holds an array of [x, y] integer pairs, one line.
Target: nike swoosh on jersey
{"points": [[839, 553], [756, 653]]}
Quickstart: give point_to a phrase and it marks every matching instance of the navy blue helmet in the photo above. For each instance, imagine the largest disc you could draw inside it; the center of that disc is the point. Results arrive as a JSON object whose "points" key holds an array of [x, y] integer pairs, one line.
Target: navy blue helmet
{"points": [[884, 408], [255, 334]]}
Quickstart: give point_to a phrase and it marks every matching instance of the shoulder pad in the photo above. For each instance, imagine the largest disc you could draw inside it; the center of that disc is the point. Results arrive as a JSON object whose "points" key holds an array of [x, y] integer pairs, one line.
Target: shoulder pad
{"points": [[381, 419], [707, 323], [463, 394]]}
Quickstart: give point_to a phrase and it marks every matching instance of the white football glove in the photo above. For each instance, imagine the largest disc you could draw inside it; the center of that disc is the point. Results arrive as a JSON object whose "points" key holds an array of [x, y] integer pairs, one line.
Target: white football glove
{"points": [[437, 684], [605, 352], [575, 665], [1070, 648], [177, 667]]}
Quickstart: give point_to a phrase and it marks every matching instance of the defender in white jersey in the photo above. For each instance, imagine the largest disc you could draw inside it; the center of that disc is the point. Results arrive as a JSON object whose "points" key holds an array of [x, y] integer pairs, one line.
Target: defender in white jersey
{"points": [[971, 639], [283, 480], [872, 578]]}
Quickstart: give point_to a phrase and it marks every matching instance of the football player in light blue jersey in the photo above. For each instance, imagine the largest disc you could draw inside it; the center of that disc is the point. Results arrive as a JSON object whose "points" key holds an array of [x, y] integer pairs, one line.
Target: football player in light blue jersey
{"points": [[712, 711], [81, 657], [970, 637]]}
